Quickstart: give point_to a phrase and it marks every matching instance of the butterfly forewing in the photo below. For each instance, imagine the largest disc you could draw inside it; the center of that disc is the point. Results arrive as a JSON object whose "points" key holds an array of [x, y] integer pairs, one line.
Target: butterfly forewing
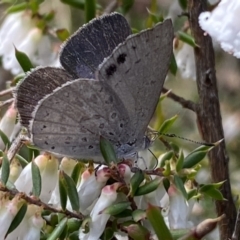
{"points": [[136, 72], [87, 48]]}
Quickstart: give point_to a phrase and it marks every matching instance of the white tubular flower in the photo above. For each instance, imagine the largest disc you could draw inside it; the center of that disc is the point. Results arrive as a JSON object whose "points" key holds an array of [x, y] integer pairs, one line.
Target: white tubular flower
{"points": [[31, 225], [19, 30], [179, 210], [222, 25], [67, 165], [7, 123], [48, 166], [15, 170], [90, 187], [8, 210], [98, 219], [186, 62]]}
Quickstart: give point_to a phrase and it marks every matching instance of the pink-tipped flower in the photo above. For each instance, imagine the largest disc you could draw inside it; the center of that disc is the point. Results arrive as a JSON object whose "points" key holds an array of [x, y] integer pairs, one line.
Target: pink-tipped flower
{"points": [[8, 210], [125, 172], [7, 123], [90, 187], [179, 209], [31, 225], [99, 220], [48, 166]]}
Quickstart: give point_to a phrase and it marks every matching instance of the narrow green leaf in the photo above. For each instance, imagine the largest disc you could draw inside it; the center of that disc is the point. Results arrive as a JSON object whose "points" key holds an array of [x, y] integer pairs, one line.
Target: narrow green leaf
{"points": [[135, 182], [62, 34], [23, 60], [37, 180], [73, 224], [191, 193], [73, 236], [166, 184], [203, 148], [77, 170], [116, 208], [139, 215], [107, 151], [180, 161], [90, 10], [72, 192], [167, 124], [5, 169], [148, 187], [215, 194], [62, 191], [58, 230], [194, 158], [180, 186], [124, 214], [108, 234], [165, 157], [5, 139], [156, 219], [137, 231], [18, 218], [17, 7], [173, 66], [207, 187], [187, 39], [22, 160], [75, 3]]}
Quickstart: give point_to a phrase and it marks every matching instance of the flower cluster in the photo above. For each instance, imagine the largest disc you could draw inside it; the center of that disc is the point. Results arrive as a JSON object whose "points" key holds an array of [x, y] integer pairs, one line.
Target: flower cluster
{"points": [[222, 25]]}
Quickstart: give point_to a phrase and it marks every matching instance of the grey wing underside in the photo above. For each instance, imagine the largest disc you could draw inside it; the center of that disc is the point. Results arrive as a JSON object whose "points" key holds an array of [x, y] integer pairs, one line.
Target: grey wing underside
{"points": [[34, 87], [71, 119], [86, 49], [136, 72]]}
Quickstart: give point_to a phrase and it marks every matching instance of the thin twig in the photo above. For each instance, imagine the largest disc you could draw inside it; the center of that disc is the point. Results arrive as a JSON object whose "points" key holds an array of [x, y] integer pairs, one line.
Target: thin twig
{"points": [[16, 145], [185, 103], [6, 92], [38, 202], [7, 102]]}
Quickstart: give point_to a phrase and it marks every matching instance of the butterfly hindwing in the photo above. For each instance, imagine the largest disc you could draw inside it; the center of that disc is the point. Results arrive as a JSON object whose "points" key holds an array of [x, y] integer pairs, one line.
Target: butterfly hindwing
{"points": [[35, 86], [71, 126]]}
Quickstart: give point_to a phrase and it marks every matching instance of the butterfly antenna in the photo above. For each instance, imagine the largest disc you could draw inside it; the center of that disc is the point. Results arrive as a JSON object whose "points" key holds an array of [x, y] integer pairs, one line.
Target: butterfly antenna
{"points": [[172, 135]]}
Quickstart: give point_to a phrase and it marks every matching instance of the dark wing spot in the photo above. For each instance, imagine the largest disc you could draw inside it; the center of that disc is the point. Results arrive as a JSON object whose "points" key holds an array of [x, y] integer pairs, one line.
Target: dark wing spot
{"points": [[121, 58], [110, 133], [90, 147], [121, 125], [138, 61], [52, 147], [134, 47], [111, 69]]}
